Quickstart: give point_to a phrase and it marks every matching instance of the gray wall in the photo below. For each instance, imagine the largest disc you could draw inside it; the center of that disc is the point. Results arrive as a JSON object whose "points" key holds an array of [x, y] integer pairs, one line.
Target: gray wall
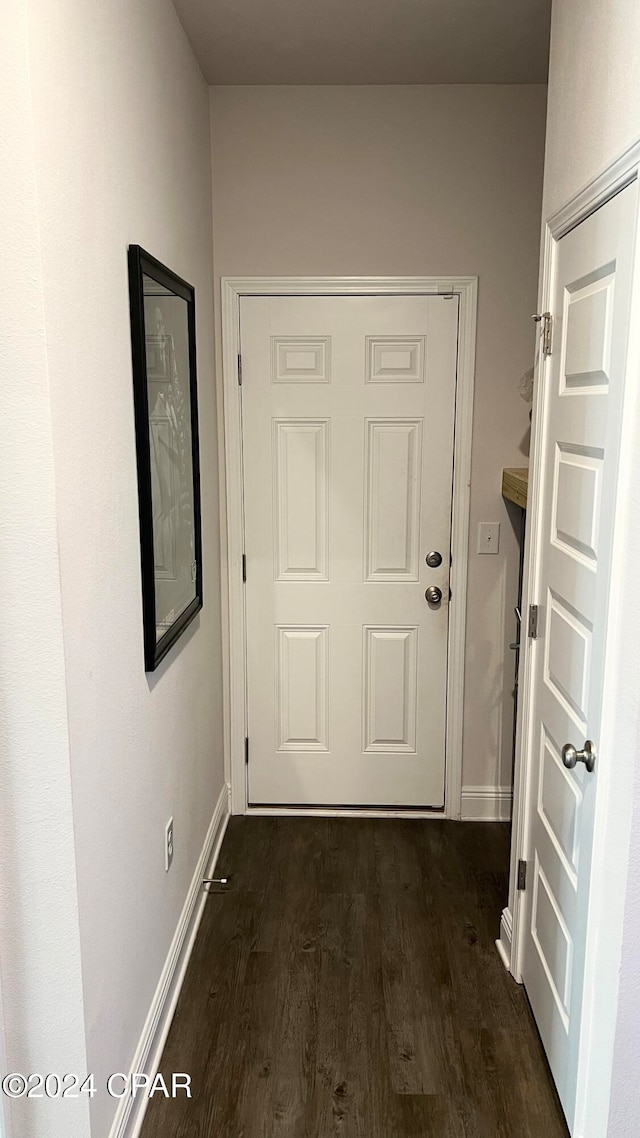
{"points": [[409, 181], [114, 128]]}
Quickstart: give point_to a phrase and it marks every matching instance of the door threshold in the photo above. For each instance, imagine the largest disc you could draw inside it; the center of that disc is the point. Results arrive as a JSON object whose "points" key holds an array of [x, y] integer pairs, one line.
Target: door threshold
{"points": [[319, 811]]}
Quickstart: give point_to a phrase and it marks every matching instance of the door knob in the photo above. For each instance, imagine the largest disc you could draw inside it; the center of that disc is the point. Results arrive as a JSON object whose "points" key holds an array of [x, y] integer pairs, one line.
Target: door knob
{"points": [[588, 756], [433, 595], [433, 559]]}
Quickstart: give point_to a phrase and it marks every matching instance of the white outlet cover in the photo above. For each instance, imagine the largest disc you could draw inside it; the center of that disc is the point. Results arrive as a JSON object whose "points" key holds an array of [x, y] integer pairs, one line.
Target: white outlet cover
{"points": [[488, 537]]}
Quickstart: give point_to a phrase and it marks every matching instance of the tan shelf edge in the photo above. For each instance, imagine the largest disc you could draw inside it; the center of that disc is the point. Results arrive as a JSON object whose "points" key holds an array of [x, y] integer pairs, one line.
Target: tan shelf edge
{"points": [[515, 484]]}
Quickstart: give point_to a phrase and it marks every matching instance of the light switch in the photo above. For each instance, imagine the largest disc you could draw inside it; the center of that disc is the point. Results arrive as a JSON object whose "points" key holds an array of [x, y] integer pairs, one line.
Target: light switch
{"points": [[488, 537]]}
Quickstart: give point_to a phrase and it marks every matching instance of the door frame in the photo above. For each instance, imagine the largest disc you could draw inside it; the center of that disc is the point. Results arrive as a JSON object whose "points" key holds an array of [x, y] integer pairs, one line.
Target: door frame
{"points": [[612, 822], [232, 519]]}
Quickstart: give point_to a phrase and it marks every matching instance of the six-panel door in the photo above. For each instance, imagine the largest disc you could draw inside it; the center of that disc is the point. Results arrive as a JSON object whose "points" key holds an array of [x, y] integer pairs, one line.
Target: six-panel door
{"points": [[580, 433], [347, 409]]}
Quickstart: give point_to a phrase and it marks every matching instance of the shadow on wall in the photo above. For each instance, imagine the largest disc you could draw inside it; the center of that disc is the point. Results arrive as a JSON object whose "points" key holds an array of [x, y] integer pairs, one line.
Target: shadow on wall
{"points": [[489, 693], [525, 389], [153, 678]]}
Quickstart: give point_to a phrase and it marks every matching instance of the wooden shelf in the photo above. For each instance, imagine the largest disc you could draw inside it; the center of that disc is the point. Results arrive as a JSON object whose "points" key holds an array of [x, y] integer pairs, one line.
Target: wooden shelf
{"points": [[515, 484]]}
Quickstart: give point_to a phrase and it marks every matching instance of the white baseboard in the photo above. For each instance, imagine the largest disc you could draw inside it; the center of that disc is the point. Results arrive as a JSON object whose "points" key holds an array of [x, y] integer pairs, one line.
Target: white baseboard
{"points": [[130, 1113], [504, 941], [486, 803]]}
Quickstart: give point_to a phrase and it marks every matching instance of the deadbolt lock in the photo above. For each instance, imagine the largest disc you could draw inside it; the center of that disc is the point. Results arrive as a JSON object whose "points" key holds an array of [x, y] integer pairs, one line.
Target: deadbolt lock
{"points": [[434, 559]]}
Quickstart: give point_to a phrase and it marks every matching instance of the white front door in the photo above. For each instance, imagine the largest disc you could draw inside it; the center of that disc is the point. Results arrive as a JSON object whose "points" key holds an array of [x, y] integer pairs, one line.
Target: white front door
{"points": [[580, 430], [348, 413]]}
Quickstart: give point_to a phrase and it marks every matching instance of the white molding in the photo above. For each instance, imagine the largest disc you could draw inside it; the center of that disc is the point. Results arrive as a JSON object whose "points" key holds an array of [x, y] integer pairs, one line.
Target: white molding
{"points": [[486, 803], [129, 1116], [232, 510], [620, 173], [232, 288], [504, 941], [522, 769], [343, 812], [468, 293], [610, 841]]}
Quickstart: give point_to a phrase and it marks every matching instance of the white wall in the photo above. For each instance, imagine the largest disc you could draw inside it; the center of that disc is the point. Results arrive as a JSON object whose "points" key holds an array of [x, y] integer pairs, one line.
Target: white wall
{"points": [[39, 938], [594, 92], [120, 152], [593, 115], [624, 1116], [409, 181]]}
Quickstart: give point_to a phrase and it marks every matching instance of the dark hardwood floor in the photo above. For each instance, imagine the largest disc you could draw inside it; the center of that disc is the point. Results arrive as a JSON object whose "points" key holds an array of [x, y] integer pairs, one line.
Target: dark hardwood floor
{"points": [[348, 986]]}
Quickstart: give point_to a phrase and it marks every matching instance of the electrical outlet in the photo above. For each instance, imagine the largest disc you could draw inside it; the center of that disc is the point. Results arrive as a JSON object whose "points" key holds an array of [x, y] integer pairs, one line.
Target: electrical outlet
{"points": [[488, 537], [168, 845]]}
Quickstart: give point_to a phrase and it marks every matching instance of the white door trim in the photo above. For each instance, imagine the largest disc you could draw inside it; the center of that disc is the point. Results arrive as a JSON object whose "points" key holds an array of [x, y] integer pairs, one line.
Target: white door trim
{"points": [[466, 288], [620, 707]]}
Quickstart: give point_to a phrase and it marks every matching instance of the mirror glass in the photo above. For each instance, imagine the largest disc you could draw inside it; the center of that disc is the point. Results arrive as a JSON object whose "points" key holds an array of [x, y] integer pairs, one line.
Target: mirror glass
{"points": [[168, 387]]}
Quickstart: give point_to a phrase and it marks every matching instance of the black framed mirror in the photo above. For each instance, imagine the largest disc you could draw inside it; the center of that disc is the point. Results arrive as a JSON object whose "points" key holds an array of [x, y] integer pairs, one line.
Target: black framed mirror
{"points": [[163, 342]]}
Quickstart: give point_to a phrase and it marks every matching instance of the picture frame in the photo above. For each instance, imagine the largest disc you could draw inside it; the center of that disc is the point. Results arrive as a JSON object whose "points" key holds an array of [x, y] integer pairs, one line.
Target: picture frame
{"points": [[165, 397]]}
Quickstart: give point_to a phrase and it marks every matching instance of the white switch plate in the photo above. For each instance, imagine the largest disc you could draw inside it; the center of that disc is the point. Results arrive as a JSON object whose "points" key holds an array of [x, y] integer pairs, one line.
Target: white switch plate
{"points": [[488, 537]]}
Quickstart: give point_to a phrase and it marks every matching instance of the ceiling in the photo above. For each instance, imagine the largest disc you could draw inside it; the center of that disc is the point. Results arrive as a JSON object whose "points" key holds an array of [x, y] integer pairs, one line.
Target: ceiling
{"points": [[369, 41]]}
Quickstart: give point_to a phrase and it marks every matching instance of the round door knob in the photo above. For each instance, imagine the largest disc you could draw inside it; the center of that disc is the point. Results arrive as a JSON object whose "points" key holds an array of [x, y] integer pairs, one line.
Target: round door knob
{"points": [[587, 756], [433, 595], [434, 559]]}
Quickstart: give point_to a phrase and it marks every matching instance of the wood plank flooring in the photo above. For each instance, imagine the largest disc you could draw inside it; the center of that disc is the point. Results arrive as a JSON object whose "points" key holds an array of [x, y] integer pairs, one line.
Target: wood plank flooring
{"points": [[348, 986]]}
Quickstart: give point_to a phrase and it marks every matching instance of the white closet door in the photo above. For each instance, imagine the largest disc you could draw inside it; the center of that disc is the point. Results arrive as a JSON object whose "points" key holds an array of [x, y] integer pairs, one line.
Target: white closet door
{"points": [[580, 437]]}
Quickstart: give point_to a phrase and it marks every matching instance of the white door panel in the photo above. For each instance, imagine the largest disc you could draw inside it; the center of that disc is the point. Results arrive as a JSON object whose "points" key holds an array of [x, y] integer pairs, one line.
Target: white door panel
{"points": [[579, 440], [348, 409]]}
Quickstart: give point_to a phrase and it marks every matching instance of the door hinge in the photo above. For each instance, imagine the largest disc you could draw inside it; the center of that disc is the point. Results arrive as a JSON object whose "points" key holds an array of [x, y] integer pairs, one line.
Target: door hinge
{"points": [[522, 875], [240, 370], [244, 566], [532, 627], [545, 320], [246, 750]]}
